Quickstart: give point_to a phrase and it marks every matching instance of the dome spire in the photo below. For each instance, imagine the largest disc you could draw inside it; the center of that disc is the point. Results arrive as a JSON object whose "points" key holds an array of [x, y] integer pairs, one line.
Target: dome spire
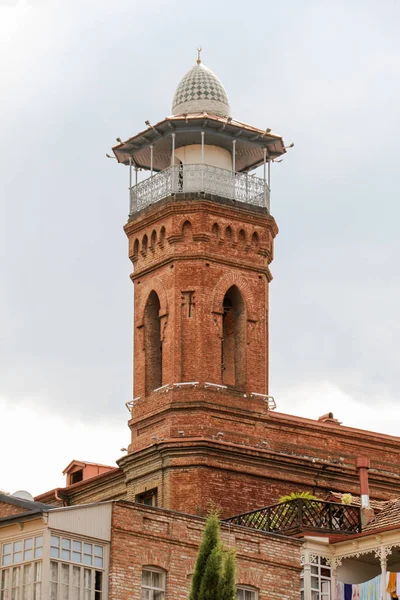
{"points": [[199, 91]]}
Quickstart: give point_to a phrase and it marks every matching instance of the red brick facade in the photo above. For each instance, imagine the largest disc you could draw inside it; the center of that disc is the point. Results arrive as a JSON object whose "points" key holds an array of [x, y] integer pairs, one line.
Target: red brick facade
{"points": [[190, 253], [146, 537], [7, 510]]}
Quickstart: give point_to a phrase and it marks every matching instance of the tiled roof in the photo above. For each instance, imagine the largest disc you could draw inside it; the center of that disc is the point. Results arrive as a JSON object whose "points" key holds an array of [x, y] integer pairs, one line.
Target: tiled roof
{"points": [[388, 517], [376, 505]]}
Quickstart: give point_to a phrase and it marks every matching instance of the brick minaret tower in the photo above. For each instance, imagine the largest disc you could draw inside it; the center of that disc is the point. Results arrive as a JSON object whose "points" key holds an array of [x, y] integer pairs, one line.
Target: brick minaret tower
{"points": [[200, 239]]}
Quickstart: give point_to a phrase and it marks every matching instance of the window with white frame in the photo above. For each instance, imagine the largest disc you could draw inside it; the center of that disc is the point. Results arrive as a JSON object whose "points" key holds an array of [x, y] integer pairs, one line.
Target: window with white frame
{"points": [[20, 573], [76, 569], [320, 583], [23, 550], [74, 582], [246, 593], [153, 583]]}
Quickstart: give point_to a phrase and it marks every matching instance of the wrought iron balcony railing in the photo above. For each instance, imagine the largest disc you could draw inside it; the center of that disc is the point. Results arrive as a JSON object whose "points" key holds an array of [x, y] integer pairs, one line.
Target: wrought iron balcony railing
{"points": [[302, 515], [199, 178]]}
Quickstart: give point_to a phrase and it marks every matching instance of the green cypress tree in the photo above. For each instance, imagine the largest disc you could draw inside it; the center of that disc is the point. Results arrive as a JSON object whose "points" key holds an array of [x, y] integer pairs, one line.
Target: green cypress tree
{"points": [[211, 581], [209, 542], [227, 587]]}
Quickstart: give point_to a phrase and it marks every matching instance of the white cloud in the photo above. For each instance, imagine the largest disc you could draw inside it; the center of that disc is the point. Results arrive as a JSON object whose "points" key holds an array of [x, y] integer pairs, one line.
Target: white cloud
{"points": [[313, 399], [37, 445]]}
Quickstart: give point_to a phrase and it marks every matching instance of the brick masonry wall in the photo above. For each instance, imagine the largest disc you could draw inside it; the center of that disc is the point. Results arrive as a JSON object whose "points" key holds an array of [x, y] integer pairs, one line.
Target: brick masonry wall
{"points": [[206, 248], [142, 536], [7, 510]]}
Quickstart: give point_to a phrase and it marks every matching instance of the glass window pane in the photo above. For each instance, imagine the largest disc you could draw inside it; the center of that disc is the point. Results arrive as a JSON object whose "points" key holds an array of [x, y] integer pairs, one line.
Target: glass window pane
{"points": [[53, 571], [37, 591], [17, 557], [76, 576], [54, 552], [27, 574], [314, 569], [64, 573], [98, 562], [15, 576], [88, 548], [98, 550], [325, 572], [7, 549], [325, 587], [87, 559], [65, 543], [38, 572], [77, 557], [146, 594], [146, 577], [28, 544], [53, 591], [314, 583], [18, 546], [64, 592], [156, 579], [6, 560], [28, 555], [38, 552], [98, 581], [38, 541], [77, 546], [66, 554], [4, 579], [158, 596], [87, 578], [55, 540]]}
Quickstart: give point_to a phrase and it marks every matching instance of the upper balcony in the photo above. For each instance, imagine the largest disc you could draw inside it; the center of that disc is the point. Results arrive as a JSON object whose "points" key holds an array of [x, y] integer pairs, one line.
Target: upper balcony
{"points": [[301, 516], [201, 179], [200, 153]]}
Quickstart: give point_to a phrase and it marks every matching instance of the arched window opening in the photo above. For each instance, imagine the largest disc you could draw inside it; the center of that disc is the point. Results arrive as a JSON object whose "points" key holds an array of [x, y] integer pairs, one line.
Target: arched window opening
{"points": [[228, 233], [255, 239], [136, 248], [234, 339], [152, 343], [215, 230], [144, 244], [242, 236], [187, 230], [153, 239], [162, 236]]}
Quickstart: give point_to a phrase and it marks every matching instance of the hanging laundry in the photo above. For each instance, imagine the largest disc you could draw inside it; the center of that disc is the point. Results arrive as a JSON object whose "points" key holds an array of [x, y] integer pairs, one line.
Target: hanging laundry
{"points": [[356, 593], [392, 585], [348, 591]]}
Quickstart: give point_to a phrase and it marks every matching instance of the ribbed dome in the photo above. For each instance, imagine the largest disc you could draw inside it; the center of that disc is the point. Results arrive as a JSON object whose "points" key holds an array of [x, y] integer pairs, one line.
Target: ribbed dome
{"points": [[200, 90]]}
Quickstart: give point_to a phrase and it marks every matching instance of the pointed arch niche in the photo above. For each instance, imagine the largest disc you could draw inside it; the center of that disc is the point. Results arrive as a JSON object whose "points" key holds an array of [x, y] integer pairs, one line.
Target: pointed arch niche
{"points": [[233, 343], [152, 343]]}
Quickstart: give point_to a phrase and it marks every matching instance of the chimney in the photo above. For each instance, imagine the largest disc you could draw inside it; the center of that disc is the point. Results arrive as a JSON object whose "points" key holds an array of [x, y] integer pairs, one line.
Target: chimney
{"points": [[362, 465]]}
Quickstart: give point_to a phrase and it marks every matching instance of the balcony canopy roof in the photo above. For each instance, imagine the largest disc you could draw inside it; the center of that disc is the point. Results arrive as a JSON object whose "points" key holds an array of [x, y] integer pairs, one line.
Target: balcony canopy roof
{"points": [[218, 131]]}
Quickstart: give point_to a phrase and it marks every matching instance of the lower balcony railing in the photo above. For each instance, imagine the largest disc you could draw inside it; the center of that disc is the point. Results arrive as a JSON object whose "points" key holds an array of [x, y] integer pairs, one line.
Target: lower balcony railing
{"points": [[200, 178], [302, 515]]}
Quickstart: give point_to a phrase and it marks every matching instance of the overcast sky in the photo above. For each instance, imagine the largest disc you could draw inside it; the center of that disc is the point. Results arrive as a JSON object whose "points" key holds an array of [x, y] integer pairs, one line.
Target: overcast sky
{"points": [[77, 74]]}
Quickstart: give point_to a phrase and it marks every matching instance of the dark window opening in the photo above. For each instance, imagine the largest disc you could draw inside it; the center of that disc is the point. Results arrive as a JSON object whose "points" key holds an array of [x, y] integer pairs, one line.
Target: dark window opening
{"points": [[98, 585], [149, 498], [77, 476], [233, 351], [152, 343]]}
